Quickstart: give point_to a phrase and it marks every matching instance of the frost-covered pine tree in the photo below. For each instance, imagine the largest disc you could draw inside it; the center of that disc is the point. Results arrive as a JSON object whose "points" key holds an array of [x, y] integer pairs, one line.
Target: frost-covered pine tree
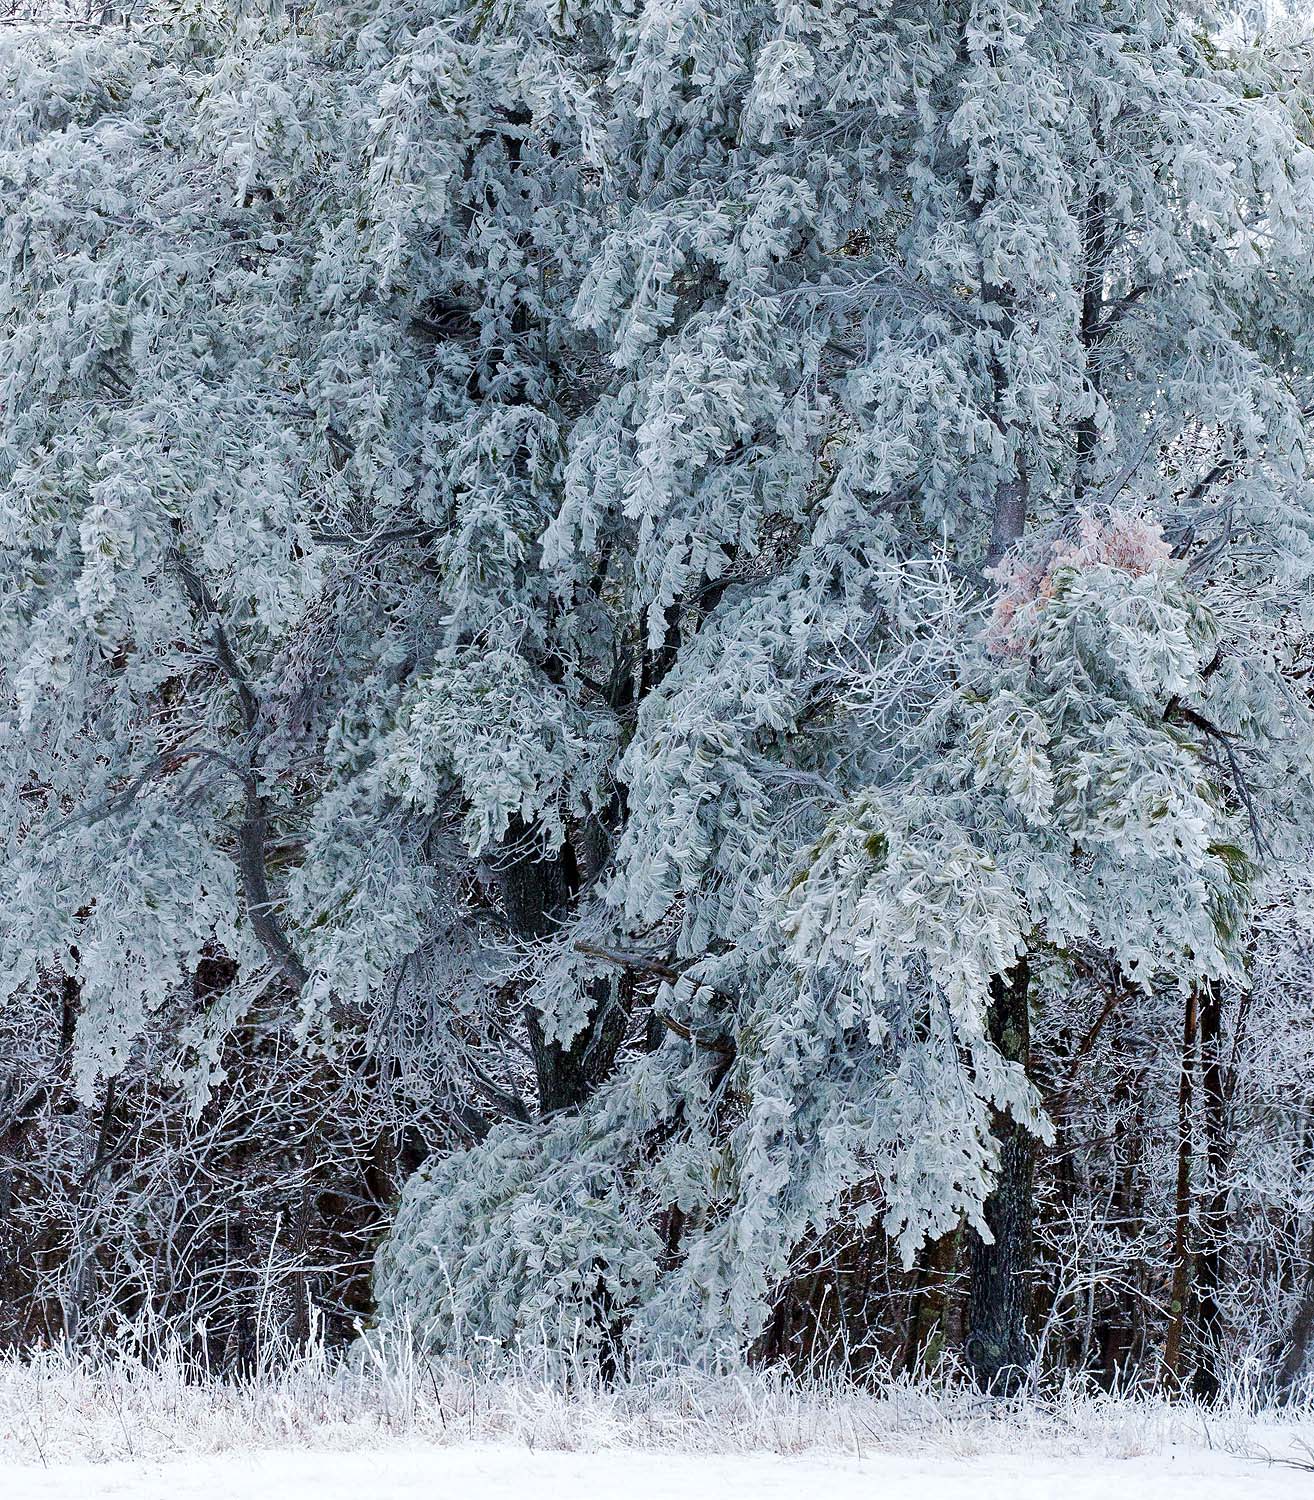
{"points": [[716, 555]]}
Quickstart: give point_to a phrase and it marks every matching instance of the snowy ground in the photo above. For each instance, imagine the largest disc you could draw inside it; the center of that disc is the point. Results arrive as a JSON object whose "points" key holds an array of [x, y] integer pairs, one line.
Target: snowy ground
{"points": [[501, 1473], [394, 1426]]}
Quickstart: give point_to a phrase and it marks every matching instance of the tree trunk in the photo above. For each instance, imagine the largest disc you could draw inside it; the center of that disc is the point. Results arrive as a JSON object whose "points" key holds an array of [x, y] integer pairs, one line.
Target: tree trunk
{"points": [[926, 1332], [1296, 1353], [999, 1300], [1293, 1354], [1181, 1283], [1213, 1225], [1095, 254], [538, 890]]}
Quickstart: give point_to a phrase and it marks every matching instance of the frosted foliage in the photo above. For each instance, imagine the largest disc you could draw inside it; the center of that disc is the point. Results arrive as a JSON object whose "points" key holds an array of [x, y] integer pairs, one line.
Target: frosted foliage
{"points": [[565, 1229], [514, 747], [1027, 582], [653, 552]]}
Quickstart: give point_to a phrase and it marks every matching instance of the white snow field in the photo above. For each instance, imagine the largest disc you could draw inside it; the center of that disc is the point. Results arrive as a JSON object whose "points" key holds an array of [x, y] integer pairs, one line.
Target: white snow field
{"points": [[505, 1473]]}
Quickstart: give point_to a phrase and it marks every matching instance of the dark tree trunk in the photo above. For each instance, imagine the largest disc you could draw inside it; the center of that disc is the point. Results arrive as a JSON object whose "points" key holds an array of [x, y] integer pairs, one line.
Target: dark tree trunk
{"points": [[1293, 1354], [1181, 1282], [1095, 246], [568, 1075], [1296, 1352], [930, 1303], [999, 1300], [1213, 1226], [538, 891]]}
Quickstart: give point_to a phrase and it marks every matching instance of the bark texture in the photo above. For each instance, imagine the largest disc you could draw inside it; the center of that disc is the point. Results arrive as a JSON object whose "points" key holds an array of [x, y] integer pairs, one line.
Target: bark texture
{"points": [[999, 1300]]}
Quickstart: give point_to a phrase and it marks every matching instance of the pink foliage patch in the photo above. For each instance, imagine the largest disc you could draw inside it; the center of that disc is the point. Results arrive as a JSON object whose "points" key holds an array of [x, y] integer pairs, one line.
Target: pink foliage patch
{"points": [[1132, 543]]}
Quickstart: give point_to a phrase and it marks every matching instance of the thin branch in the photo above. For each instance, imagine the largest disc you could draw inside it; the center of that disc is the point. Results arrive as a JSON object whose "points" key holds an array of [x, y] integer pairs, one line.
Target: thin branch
{"points": [[254, 828], [1226, 741], [648, 964]]}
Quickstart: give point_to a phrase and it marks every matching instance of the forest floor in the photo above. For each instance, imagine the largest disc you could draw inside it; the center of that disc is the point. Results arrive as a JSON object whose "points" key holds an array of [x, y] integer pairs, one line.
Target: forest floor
{"points": [[312, 1427], [502, 1473]]}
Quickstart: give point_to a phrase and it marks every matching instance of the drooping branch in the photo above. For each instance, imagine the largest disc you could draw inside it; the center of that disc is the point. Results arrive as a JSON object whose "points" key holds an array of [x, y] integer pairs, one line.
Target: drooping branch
{"points": [[1225, 468], [1240, 783], [251, 837], [253, 831], [202, 600], [647, 964]]}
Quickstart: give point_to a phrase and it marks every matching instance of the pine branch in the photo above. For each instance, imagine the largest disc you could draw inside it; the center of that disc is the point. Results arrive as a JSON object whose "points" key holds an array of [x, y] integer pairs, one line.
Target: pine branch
{"points": [[648, 964]]}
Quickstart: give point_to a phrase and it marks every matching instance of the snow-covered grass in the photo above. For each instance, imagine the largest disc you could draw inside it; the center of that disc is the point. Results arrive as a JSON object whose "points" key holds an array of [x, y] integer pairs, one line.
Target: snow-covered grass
{"points": [[57, 1410]]}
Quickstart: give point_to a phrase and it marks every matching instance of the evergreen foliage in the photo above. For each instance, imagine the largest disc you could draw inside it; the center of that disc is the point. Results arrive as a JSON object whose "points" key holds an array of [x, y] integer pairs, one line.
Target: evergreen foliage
{"points": [[676, 543]]}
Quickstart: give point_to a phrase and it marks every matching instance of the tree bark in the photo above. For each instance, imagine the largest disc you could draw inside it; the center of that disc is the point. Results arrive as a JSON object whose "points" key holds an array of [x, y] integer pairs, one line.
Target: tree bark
{"points": [[1296, 1351], [926, 1332], [999, 1299], [538, 890], [1181, 1284], [1095, 252], [1213, 1219], [1293, 1353]]}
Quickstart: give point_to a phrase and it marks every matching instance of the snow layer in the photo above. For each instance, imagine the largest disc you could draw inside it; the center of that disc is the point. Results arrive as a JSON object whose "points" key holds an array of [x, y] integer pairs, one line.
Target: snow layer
{"points": [[504, 1473]]}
